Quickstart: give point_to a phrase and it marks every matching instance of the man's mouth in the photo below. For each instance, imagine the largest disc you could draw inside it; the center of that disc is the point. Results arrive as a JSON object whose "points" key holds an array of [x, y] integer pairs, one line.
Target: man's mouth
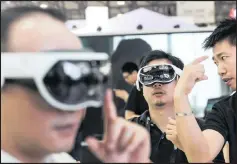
{"points": [[66, 129], [66, 126], [159, 93], [227, 81]]}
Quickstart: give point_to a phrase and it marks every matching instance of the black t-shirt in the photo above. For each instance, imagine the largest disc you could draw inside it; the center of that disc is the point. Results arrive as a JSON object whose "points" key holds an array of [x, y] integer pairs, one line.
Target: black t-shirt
{"points": [[162, 150], [223, 119], [136, 102]]}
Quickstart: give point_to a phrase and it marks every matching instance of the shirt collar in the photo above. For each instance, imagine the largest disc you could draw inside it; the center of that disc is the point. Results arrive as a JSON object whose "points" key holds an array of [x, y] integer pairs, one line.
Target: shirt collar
{"points": [[232, 93], [7, 158], [60, 157]]}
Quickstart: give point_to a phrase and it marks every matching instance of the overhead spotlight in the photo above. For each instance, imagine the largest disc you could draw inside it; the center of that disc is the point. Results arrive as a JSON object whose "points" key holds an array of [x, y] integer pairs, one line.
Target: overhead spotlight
{"points": [[139, 27], [43, 6], [177, 26], [8, 2], [121, 3], [74, 27], [99, 29]]}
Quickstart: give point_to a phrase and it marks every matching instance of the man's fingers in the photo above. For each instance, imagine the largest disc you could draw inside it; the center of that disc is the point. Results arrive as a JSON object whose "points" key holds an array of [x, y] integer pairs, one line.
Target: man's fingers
{"points": [[200, 59], [138, 138], [96, 147], [170, 127], [125, 138], [170, 132], [112, 137], [110, 113], [200, 76], [169, 137], [204, 77], [172, 121]]}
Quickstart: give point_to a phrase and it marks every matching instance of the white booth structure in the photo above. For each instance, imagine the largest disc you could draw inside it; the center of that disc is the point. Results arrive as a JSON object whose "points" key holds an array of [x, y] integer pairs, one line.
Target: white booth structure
{"points": [[137, 20]]}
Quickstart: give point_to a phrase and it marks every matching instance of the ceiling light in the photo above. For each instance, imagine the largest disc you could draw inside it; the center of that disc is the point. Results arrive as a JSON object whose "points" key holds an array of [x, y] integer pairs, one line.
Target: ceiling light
{"points": [[8, 2], [121, 3], [43, 6]]}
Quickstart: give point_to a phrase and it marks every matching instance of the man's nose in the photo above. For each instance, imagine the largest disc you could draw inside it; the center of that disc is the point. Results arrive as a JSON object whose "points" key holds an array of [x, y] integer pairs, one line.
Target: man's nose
{"points": [[221, 70], [157, 85]]}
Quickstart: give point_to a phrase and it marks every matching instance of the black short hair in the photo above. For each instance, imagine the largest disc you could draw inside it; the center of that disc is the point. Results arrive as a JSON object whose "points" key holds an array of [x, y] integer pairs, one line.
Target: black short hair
{"points": [[225, 30], [159, 54], [129, 67], [10, 15]]}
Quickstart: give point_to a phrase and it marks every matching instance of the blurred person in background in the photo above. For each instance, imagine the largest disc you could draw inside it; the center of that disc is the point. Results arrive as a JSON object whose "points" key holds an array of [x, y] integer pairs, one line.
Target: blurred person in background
{"points": [[33, 131], [127, 50], [135, 102], [157, 78], [129, 71], [221, 122]]}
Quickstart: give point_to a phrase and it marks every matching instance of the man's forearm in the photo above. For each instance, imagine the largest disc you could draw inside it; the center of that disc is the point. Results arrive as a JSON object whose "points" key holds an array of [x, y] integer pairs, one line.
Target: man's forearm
{"points": [[125, 98], [130, 114], [194, 144]]}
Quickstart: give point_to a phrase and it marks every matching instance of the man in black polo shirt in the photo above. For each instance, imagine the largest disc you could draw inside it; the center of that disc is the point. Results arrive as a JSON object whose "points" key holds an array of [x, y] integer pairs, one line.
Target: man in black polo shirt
{"points": [[157, 78], [135, 102], [221, 123], [129, 71]]}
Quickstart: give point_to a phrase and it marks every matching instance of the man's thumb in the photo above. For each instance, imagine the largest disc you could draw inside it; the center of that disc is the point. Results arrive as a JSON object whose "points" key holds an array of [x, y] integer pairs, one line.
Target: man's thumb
{"points": [[96, 147]]}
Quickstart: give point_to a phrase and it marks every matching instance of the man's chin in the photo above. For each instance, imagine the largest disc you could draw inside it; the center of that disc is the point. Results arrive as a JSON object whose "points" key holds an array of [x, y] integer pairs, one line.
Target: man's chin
{"points": [[63, 148], [62, 145], [159, 104]]}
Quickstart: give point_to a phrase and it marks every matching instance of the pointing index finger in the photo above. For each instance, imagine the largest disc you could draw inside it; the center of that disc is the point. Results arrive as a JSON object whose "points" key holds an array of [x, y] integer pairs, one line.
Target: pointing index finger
{"points": [[109, 107], [200, 59], [110, 113]]}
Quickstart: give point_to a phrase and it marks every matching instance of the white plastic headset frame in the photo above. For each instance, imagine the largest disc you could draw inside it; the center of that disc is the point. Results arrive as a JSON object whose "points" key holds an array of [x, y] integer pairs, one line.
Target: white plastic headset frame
{"points": [[37, 65], [177, 70]]}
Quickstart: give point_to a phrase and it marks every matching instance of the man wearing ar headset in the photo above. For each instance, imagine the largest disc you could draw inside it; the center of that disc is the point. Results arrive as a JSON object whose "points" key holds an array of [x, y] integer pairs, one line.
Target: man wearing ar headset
{"points": [[157, 77], [44, 95]]}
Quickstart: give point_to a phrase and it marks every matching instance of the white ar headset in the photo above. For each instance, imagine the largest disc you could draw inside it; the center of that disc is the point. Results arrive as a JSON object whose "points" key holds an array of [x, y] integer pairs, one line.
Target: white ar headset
{"points": [[36, 65], [177, 70], [138, 83]]}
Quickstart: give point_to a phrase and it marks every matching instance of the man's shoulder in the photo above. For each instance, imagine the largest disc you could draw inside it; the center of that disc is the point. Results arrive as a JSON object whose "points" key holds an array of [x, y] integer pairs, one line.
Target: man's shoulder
{"points": [[141, 119], [135, 119], [226, 100], [225, 103]]}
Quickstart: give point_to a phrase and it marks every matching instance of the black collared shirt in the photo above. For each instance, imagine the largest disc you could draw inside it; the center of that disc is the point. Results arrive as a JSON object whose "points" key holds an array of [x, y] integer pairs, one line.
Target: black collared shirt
{"points": [[163, 150], [223, 119]]}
